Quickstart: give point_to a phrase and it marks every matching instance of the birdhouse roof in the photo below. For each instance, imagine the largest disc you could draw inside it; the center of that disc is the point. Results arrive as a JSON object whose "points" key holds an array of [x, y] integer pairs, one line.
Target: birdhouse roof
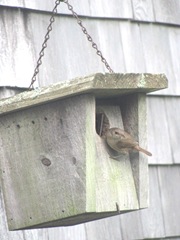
{"points": [[101, 85]]}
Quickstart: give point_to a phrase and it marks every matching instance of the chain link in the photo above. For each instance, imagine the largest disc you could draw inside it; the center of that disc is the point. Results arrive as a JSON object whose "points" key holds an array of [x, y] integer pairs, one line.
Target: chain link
{"points": [[44, 45], [47, 36], [94, 45]]}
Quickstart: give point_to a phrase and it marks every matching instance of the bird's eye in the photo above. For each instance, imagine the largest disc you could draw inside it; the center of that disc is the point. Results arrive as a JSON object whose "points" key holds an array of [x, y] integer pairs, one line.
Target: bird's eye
{"points": [[116, 133]]}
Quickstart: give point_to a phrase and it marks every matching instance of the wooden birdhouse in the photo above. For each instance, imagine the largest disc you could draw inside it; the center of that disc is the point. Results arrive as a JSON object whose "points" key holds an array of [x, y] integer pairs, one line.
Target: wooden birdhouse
{"points": [[56, 168]]}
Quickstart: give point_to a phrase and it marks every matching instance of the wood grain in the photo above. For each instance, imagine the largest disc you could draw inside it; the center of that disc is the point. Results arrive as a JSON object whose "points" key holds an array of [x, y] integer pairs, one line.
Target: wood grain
{"points": [[115, 9], [143, 10], [148, 222], [114, 178], [168, 177], [154, 43], [173, 119], [159, 137], [133, 109], [148, 10], [132, 47], [56, 132], [167, 12], [101, 85]]}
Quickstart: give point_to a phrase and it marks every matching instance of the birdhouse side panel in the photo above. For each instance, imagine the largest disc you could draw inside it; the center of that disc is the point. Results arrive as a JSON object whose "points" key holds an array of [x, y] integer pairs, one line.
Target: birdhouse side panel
{"points": [[114, 176], [43, 162], [134, 114]]}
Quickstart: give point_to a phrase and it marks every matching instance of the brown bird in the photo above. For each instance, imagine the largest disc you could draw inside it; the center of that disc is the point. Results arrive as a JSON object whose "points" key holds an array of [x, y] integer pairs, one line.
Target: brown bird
{"points": [[120, 141]]}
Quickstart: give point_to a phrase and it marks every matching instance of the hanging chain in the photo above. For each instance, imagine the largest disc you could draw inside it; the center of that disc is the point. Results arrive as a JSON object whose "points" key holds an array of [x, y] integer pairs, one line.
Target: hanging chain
{"points": [[47, 36], [94, 45], [44, 45]]}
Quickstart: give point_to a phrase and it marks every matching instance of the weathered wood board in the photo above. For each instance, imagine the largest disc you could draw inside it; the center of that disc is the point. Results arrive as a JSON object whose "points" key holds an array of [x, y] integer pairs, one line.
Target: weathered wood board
{"points": [[146, 10], [101, 85], [143, 10], [115, 177], [167, 12], [160, 136], [43, 167], [134, 116]]}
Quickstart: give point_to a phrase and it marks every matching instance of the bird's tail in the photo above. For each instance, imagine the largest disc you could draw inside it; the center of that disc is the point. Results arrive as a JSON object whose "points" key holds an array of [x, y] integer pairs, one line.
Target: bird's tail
{"points": [[143, 150]]}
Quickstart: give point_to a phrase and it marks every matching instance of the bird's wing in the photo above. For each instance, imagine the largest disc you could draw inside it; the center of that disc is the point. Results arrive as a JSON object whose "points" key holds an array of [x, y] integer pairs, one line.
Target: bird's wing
{"points": [[126, 143]]}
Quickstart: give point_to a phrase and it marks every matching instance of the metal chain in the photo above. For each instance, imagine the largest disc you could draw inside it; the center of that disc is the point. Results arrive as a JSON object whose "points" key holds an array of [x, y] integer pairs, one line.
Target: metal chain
{"points": [[44, 45], [94, 45], [47, 36]]}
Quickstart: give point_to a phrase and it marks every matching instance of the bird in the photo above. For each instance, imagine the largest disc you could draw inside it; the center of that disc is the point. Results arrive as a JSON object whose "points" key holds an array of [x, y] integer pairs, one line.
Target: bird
{"points": [[121, 141]]}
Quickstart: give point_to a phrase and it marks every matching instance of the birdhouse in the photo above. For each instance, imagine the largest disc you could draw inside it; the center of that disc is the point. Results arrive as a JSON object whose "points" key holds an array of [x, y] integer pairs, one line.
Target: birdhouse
{"points": [[56, 167]]}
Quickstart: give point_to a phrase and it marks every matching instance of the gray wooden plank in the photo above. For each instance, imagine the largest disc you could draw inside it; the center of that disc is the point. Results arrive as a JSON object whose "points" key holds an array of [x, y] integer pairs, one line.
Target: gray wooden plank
{"points": [[121, 189], [82, 7], [134, 118], [73, 52], [173, 119], [167, 11], [158, 56], [152, 217], [4, 233], [143, 10], [131, 226], [49, 178], [174, 40], [100, 85], [109, 38], [104, 229], [163, 129], [113, 9], [76, 232], [173, 238], [30, 235], [159, 141], [132, 47], [15, 44], [147, 223], [164, 11], [169, 178]]}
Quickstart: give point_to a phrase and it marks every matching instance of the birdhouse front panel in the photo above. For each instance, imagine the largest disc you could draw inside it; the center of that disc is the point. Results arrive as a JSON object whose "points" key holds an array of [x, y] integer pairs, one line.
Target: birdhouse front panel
{"points": [[43, 161]]}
